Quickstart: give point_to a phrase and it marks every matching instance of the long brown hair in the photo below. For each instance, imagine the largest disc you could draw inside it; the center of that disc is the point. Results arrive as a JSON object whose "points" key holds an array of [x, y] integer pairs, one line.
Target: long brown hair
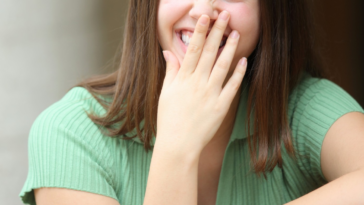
{"points": [[286, 48]]}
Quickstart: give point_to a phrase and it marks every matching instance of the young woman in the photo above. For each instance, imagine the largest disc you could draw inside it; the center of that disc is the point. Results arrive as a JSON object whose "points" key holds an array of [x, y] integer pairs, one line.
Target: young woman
{"points": [[187, 120]]}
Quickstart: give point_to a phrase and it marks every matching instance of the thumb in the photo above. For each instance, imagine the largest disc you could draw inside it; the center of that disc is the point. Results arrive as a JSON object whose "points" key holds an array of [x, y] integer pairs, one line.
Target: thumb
{"points": [[171, 68]]}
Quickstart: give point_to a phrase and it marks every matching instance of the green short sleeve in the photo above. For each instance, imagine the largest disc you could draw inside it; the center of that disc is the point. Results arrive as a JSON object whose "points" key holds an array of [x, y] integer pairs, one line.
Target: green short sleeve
{"points": [[315, 105], [66, 150]]}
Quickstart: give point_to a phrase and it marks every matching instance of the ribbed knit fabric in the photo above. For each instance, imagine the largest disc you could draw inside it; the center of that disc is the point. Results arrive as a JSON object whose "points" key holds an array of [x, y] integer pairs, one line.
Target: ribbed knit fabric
{"points": [[67, 150]]}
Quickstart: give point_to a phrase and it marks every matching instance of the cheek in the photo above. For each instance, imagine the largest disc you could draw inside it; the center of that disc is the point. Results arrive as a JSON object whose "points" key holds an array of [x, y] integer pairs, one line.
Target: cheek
{"points": [[168, 14], [246, 21]]}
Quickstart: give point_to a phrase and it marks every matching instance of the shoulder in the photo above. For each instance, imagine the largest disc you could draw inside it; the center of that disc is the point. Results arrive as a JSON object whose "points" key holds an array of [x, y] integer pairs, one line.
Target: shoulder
{"points": [[75, 100], [67, 121], [70, 112], [317, 96], [314, 106], [67, 150]]}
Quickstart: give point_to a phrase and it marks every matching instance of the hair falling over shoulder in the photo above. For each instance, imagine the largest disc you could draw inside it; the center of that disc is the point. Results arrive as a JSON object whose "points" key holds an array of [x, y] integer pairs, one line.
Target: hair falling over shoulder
{"points": [[285, 49]]}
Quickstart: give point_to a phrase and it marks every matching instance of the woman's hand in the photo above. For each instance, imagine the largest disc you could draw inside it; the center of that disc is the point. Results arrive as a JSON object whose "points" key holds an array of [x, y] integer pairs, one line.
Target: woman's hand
{"points": [[192, 103]]}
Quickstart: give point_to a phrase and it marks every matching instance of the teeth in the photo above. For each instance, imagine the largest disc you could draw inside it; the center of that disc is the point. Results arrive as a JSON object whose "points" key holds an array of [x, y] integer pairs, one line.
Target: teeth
{"points": [[186, 38]]}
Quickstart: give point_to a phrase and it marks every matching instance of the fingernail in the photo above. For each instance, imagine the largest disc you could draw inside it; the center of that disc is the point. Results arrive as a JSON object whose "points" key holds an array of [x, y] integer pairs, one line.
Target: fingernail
{"points": [[204, 20], [234, 34], [224, 15], [165, 55], [242, 61]]}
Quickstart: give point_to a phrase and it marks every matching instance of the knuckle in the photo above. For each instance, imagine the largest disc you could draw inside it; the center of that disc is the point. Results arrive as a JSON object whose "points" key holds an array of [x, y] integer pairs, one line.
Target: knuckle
{"points": [[200, 30], [219, 109], [210, 48], [234, 86], [205, 96], [199, 87], [232, 41], [197, 84], [192, 48], [222, 64], [220, 26], [239, 72], [212, 90]]}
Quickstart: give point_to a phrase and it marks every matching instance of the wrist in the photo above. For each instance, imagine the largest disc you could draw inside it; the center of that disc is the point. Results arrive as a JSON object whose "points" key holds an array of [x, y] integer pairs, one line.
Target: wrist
{"points": [[177, 150]]}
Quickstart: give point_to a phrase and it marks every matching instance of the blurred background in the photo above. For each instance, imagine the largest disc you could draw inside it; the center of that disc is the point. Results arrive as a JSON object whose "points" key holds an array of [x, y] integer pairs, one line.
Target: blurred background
{"points": [[48, 46]]}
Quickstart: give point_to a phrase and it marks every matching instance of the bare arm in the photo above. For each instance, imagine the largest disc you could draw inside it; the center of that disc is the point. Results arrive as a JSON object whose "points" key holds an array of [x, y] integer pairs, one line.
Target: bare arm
{"points": [[60, 196], [172, 177], [342, 164], [190, 96]]}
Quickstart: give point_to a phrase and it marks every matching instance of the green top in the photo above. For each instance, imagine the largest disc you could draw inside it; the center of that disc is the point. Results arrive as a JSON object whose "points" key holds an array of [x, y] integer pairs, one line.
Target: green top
{"points": [[67, 150]]}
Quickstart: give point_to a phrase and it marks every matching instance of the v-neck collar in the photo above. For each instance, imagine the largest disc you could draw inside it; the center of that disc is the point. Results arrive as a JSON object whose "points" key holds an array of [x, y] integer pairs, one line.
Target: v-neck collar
{"points": [[239, 131]]}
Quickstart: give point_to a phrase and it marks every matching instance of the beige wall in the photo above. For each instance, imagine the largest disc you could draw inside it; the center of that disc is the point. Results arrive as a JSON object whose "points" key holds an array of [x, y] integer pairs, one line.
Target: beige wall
{"points": [[45, 48]]}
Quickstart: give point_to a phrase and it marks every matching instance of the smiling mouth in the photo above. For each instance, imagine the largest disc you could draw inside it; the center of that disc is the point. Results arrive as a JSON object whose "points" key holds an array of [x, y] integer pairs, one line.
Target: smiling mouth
{"points": [[186, 36]]}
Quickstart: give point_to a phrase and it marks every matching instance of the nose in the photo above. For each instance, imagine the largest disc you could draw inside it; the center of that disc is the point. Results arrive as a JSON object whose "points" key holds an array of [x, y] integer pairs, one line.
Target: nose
{"points": [[206, 7]]}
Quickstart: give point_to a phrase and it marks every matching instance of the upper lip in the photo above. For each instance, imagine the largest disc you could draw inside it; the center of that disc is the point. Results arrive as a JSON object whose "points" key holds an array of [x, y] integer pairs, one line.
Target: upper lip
{"points": [[226, 34]]}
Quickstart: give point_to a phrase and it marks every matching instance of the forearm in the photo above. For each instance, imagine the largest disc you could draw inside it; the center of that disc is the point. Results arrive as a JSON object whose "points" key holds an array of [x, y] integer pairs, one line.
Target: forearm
{"points": [[347, 189], [172, 177]]}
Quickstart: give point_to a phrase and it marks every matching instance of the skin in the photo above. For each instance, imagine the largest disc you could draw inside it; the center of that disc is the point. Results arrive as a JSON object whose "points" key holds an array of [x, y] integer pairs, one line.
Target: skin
{"points": [[192, 93], [244, 18], [342, 164], [174, 168], [174, 15]]}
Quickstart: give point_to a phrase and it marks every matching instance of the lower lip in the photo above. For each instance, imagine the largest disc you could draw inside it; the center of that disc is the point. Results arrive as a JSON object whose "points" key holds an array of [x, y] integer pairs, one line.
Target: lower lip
{"points": [[184, 47]]}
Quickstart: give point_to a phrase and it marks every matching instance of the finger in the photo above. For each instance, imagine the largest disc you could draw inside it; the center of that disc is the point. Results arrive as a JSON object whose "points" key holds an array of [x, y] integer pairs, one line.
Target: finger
{"points": [[222, 66], [211, 47], [171, 68], [195, 47], [232, 86]]}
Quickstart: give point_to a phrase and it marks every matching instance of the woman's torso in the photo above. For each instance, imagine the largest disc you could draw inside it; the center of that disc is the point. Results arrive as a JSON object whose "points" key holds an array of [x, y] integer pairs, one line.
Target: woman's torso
{"points": [[66, 149]]}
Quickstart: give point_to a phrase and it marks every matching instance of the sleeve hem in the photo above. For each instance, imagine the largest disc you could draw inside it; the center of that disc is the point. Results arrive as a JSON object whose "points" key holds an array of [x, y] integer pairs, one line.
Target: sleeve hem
{"points": [[27, 194], [320, 105]]}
